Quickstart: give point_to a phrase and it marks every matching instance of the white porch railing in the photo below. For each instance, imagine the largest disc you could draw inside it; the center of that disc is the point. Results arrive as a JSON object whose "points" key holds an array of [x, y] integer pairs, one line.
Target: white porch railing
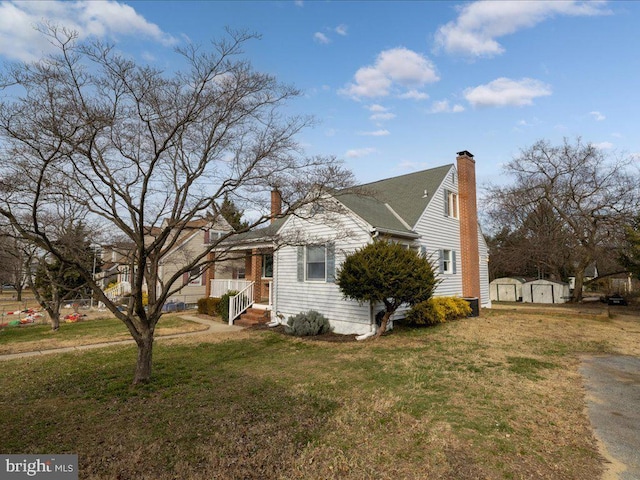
{"points": [[118, 290], [240, 302], [220, 287]]}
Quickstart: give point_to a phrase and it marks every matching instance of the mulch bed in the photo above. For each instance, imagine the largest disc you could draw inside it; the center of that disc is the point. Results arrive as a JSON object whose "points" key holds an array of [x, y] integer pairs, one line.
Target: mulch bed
{"points": [[326, 337]]}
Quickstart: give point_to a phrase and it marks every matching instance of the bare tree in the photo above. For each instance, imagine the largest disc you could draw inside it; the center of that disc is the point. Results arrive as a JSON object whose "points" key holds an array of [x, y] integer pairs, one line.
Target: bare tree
{"points": [[521, 245], [12, 262], [589, 196], [139, 150]]}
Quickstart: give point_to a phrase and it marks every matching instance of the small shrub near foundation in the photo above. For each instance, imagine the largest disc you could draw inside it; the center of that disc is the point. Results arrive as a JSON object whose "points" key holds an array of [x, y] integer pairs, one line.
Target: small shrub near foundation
{"points": [[223, 305], [307, 324], [438, 310]]}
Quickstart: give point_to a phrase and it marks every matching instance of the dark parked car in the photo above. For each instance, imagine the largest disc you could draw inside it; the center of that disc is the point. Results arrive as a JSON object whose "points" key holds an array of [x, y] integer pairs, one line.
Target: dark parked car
{"points": [[616, 299]]}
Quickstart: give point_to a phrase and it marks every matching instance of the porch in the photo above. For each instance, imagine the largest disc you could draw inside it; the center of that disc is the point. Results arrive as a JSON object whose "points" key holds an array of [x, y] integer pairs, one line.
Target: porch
{"points": [[244, 304], [255, 290]]}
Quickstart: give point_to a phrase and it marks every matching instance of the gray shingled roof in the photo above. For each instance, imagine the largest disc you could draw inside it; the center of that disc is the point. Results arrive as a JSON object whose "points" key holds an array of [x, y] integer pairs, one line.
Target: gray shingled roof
{"points": [[404, 194], [378, 203]]}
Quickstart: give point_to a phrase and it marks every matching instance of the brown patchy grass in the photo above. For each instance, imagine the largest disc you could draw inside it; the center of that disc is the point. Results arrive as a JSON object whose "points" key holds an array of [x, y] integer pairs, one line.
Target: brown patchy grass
{"points": [[495, 397], [95, 327]]}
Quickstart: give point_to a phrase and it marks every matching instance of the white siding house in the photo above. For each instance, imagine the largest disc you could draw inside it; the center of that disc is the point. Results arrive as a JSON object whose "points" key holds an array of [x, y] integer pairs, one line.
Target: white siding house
{"points": [[304, 274], [422, 210]]}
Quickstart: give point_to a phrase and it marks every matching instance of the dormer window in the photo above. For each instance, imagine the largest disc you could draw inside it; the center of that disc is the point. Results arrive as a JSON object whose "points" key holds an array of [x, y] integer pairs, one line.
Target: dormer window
{"points": [[451, 204]]}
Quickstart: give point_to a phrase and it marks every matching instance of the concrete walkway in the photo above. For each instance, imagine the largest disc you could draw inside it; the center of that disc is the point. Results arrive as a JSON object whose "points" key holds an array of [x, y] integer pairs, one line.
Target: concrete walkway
{"points": [[214, 327], [613, 404]]}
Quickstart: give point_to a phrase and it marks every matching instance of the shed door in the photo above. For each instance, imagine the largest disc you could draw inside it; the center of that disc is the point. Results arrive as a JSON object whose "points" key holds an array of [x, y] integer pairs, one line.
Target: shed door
{"points": [[507, 293], [542, 294]]}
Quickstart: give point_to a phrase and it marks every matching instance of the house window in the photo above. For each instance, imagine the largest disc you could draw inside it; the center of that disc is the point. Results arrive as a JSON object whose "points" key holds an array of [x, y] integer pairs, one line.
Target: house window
{"points": [[195, 277], [213, 235], [451, 205], [316, 262], [126, 274], [267, 265], [447, 261]]}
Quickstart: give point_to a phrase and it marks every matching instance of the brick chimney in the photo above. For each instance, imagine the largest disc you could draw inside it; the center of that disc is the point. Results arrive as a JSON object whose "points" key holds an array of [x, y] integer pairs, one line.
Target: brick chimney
{"points": [[470, 261], [276, 204]]}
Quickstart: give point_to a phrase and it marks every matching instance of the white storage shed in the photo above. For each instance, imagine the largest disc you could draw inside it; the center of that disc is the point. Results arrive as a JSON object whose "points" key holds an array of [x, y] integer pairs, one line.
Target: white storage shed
{"points": [[506, 289], [545, 291]]}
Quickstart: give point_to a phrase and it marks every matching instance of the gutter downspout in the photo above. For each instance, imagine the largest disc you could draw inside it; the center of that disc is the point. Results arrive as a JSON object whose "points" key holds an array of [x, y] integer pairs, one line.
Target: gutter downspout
{"points": [[372, 326]]}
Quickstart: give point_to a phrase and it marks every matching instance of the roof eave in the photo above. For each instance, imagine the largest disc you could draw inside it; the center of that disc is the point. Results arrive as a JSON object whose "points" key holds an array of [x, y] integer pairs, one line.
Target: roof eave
{"points": [[395, 233]]}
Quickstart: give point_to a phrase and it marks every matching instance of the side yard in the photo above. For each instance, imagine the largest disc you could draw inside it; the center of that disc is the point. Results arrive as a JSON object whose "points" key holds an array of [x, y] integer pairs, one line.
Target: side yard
{"points": [[98, 327], [495, 397]]}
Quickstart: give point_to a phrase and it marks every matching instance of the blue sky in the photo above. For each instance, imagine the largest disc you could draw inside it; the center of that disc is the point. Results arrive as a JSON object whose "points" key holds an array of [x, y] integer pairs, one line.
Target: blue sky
{"points": [[401, 86]]}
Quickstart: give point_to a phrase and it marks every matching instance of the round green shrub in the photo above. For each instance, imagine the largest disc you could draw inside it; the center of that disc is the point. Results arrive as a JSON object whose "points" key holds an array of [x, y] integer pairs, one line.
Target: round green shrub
{"points": [[307, 324]]}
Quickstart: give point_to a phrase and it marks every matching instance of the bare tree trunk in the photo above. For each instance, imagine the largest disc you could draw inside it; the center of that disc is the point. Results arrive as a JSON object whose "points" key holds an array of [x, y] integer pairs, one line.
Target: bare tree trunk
{"points": [[143, 364], [383, 326], [52, 308], [577, 291], [54, 315]]}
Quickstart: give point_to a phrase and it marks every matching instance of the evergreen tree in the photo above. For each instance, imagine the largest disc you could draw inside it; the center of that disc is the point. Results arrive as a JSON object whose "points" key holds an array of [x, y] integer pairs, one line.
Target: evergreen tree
{"points": [[231, 214], [55, 281], [387, 273]]}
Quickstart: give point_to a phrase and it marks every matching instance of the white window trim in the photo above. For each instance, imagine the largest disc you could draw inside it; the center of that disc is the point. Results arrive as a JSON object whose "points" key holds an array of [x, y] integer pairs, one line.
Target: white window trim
{"points": [[447, 262], [453, 206], [306, 263], [262, 274]]}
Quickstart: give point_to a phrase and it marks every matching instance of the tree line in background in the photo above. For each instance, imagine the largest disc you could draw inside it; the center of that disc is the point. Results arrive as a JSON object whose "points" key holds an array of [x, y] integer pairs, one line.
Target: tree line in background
{"points": [[569, 207]]}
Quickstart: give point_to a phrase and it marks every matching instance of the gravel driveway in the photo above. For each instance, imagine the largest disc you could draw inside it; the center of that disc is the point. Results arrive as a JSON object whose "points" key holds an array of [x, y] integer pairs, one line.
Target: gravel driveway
{"points": [[613, 402]]}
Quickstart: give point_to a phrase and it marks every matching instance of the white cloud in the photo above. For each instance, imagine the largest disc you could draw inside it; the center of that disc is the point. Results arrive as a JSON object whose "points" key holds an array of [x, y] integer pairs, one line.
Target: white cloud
{"points": [[321, 38], [341, 30], [376, 133], [376, 108], [443, 106], [107, 19], [299, 3], [382, 116], [604, 145], [479, 24], [504, 92], [397, 66], [413, 95], [597, 116], [359, 152]]}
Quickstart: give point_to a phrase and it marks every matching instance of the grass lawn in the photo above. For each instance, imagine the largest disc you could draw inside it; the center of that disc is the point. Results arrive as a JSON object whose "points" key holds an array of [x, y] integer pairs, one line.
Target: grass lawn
{"points": [[495, 397], [96, 330]]}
